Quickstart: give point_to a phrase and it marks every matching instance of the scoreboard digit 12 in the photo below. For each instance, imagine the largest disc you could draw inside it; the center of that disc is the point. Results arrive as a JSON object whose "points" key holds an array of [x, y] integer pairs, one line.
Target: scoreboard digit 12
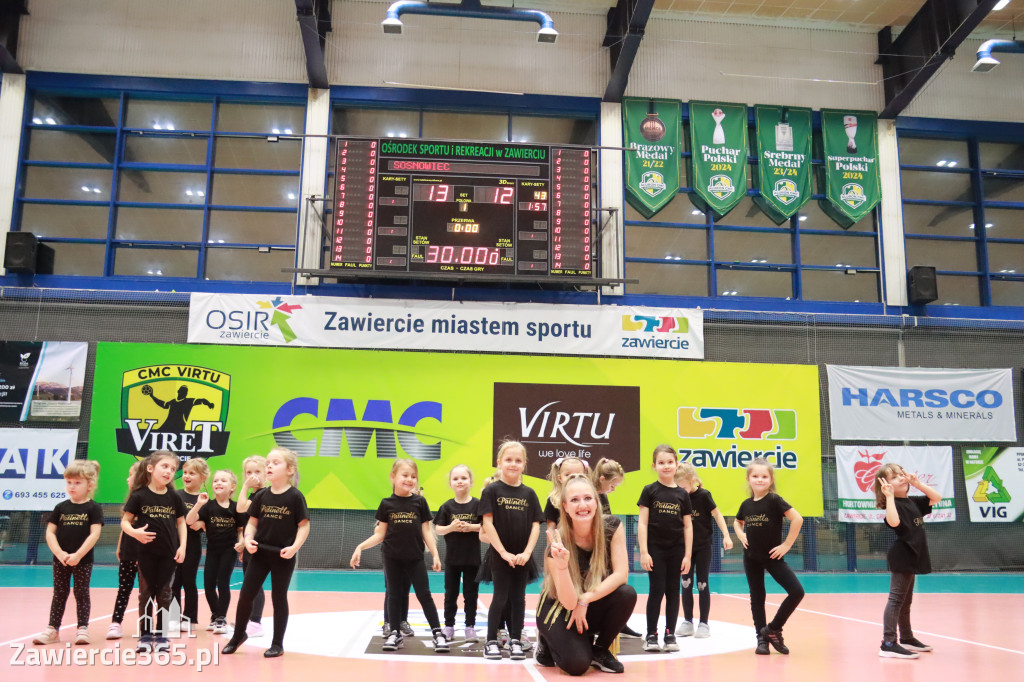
{"points": [[463, 208]]}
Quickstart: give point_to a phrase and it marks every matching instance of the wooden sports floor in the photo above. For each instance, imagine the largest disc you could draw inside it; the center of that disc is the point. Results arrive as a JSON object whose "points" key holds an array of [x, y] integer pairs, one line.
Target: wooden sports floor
{"points": [[974, 622]]}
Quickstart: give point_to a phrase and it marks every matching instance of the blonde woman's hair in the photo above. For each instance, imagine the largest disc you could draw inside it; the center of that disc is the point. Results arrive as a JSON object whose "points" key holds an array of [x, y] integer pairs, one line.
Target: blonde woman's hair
{"points": [[599, 565], [761, 462], [688, 472], [85, 469], [291, 461]]}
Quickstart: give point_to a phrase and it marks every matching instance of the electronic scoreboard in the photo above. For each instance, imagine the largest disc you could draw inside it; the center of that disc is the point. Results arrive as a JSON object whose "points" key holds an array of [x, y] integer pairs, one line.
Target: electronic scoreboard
{"points": [[464, 208]]}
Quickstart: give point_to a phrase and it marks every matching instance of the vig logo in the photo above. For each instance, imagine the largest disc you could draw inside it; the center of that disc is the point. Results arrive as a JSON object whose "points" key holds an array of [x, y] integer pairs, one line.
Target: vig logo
{"points": [[991, 489], [731, 422], [180, 408]]}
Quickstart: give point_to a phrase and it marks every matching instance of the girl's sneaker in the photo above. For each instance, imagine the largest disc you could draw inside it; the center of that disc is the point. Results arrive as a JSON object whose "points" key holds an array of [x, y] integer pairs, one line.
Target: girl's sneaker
{"points": [[651, 643], [82, 636], [441, 645], [503, 639], [774, 638], [703, 631], [894, 650], [449, 633], [145, 643], [253, 629], [670, 642], [515, 648], [212, 625], [406, 629], [394, 641], [47, 636], [685, 629], [914, 644], [220, 627], [492, 651], [115, 631], [471, 635], [525, 641]]}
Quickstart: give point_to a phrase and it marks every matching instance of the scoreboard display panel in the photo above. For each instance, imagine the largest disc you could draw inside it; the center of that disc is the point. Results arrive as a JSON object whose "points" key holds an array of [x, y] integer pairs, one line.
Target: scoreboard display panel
{"points": [[463, 208]]}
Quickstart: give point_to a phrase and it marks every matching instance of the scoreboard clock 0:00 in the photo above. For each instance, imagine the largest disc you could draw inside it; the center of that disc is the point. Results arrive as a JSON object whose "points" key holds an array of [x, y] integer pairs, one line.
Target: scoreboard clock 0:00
{"points": [[463, 208]]}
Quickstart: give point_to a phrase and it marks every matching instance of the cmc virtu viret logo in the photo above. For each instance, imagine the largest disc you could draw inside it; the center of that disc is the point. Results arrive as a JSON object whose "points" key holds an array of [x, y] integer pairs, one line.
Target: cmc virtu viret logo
{"points": [[181, 408]]}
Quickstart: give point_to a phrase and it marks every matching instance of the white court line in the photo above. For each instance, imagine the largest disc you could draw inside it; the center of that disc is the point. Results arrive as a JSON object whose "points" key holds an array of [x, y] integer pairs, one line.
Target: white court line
{"points": [[66, 627], [878, 625], [531, 668]]}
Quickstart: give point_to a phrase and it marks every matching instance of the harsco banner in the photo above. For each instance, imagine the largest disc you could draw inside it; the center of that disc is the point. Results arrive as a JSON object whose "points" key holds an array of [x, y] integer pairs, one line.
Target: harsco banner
{"points": [[858, 465], [652, 128], [250, 320], [350, 413], [849, 179], [900, 403], [32, 463], [718, 160], [994, 479], [783, 177]]}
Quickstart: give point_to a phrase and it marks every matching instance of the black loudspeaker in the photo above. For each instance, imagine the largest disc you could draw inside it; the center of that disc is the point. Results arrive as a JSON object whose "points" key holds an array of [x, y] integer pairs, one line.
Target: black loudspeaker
{"points": [[921, 285], [24, 253]]}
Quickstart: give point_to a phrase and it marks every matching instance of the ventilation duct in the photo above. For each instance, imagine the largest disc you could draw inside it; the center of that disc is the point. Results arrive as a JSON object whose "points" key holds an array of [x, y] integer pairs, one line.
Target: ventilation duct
{"points": [[986, 62], [471, 9]]}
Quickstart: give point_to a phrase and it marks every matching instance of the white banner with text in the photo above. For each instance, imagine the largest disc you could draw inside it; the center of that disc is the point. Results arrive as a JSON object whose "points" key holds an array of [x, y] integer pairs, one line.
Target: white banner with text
{"points": [[857, 467], [32, 463]]}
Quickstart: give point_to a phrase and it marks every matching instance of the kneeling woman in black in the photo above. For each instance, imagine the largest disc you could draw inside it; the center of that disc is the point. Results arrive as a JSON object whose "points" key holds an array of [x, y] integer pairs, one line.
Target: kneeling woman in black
{"points": [[585, 592]]}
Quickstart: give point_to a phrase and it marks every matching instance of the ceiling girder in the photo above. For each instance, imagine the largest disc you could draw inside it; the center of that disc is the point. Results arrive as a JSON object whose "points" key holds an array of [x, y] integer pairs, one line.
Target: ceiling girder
{"points": [[314, 17], [626, 24]]}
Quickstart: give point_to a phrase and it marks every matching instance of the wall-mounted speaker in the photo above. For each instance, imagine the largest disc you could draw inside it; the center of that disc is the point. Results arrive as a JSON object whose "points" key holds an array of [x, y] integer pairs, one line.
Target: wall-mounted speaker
{"points": [[921, 285], [24, 253]]}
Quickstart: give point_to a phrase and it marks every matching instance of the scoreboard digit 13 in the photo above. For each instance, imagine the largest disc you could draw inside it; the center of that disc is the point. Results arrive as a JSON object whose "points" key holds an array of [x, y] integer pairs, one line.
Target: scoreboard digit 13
{"points": [[463, 208]]}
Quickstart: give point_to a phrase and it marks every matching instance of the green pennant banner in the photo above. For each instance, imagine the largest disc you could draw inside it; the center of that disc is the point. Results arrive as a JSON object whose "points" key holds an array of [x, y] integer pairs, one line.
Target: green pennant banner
{"points": [[718, 162], [652, 127], [849, 179], [783, 176]]}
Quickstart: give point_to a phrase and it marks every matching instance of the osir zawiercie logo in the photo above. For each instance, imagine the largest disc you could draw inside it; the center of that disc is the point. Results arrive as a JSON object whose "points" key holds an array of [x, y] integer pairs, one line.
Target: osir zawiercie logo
{"points": [[181, 408]]}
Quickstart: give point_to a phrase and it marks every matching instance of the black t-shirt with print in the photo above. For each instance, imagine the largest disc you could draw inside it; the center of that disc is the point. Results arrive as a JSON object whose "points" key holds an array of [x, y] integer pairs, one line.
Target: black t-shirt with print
{"points": [[461, 549], [909, 553], [159, 512], [666, 508], [193, 538], [74, 522], [762, 524], [405, 517], [515, 508], [703, 522], [278, 516], [551, 512], [222, 523]]}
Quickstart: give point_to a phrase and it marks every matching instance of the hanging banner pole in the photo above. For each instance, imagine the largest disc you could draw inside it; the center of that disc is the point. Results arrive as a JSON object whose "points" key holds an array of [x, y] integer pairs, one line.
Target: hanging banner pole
{"points": [[718, 142], [849, 179], [783, 177], [651, 131]]}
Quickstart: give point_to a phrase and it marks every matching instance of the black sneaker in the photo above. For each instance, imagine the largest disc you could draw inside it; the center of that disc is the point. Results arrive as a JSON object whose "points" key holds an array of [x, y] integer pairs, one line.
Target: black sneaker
{"points": [[894, 650], [515, 648], [914, 644], [145, 643], [762, 646], [605, 661], [440, 642], [406, 629], [774, 638], [630, 632], [492, 651], [541, 655], [651, 643], [670, 642], [393, 642]]}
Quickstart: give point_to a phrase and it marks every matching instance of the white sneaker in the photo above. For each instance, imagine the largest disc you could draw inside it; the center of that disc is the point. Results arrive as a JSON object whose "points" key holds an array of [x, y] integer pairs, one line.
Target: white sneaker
{"points": [[82, 636], [471, 635], [449, 633], [47, 636], [685, 629], [703, 631], [115, 631], [220, 627], [525, 641], [254, 629]]}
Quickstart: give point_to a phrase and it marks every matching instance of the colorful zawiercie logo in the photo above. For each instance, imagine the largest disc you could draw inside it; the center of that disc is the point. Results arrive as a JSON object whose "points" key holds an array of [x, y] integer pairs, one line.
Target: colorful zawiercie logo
{"points": [[181, 408], [281, 315], [736, 422], [655, 323]]}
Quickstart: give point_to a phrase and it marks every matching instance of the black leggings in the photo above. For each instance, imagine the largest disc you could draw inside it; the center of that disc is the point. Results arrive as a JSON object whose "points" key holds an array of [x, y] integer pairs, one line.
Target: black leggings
{"points": [[400, 575], [156, 573], [509, 600], [261, 563], [664, 582], [185, 577], [220, 561], [572, 650], [260, 599], [126, 572], [787, 580], [62, 588], [470, 589], [701, 565]]}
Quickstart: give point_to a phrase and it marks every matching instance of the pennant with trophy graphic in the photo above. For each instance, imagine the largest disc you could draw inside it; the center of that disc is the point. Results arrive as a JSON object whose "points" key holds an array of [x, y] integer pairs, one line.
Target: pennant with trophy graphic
{"points": [[783, 175], [652, 128], [849, 179], [718, 162]]}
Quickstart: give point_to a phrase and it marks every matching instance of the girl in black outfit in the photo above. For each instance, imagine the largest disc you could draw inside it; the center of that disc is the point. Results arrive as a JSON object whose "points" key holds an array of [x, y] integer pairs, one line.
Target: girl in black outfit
{"points": [[127, 568], [758, 525], [404, 528], [155, 516], [908, 555], [278, 526], [194, 473], [585, 600], [458, 520], [665, 536], [223, 525]]}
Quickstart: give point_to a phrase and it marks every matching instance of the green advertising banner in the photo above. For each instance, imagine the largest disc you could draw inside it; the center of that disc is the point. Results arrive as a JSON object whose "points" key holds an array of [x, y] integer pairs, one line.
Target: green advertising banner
{"points": [[849, 179], [783, 178], [652, 127], [718, 160], [349, 414]]}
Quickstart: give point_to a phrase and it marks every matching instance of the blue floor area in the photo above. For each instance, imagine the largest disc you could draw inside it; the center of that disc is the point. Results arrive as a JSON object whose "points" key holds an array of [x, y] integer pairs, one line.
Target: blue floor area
{"points": [[12, 576]]}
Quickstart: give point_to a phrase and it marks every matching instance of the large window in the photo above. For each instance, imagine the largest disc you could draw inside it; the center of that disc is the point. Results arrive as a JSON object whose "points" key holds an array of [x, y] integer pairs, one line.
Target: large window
{"points": [[683, 252], [139, 185], [963, 213]]}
